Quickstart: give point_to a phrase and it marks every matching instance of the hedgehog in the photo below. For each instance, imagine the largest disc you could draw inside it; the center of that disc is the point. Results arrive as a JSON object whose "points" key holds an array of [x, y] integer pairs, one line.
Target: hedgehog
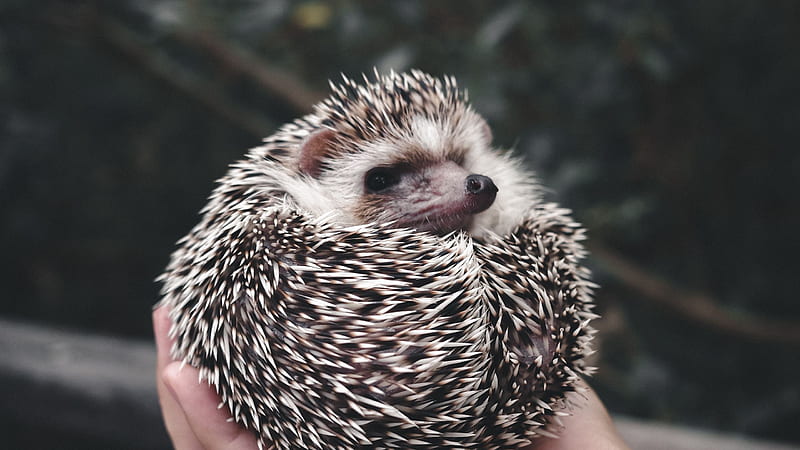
{"points": [[376, 275]]}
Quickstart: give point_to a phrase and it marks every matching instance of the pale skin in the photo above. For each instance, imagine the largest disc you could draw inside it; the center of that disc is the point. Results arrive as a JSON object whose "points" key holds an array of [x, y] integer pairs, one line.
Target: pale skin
{"points": [[194, 422]]}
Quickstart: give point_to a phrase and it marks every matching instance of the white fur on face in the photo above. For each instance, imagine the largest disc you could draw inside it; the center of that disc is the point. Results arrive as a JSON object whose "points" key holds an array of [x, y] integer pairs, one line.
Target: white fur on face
{"points": [[337, 193], [429, 135]]}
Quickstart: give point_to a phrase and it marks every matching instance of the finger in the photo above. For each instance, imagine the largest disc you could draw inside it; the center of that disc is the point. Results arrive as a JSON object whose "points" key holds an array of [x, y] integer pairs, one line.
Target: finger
{"points": [[208, 421], [178, 427], [161, 325], [588, 425]]}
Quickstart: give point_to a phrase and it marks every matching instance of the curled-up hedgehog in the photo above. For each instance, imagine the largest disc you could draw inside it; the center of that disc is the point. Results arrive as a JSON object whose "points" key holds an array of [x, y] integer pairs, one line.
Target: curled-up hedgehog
{"points": [[376, 275]]}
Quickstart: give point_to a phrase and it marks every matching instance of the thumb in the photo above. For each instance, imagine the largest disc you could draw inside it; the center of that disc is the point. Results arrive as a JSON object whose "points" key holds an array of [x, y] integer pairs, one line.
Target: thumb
{"points": [[201, 405]]}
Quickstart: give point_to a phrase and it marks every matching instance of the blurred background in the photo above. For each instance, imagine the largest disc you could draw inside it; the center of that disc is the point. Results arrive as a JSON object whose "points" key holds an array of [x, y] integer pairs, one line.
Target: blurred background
{"points": [[670, 128]]}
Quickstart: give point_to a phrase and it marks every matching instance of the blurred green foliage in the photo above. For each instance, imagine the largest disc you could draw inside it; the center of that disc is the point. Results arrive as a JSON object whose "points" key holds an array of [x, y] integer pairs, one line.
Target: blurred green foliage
{"points": [[670, 127]]}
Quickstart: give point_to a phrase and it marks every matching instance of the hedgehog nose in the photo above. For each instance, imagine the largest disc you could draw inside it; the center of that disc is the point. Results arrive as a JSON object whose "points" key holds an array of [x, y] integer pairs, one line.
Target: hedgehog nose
{"points": [[479, 184], [481, 192]]}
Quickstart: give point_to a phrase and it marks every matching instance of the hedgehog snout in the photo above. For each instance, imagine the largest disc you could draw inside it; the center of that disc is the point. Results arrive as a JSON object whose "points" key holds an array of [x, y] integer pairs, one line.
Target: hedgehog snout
{"points": [[481, 192]]}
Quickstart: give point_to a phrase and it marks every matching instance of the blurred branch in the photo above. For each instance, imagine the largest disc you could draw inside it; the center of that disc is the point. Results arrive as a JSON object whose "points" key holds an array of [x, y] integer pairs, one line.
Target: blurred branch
{"points": [[202, 35], [158, 65], [234, 59], [691, 305], [161, 67], [238, 60]]}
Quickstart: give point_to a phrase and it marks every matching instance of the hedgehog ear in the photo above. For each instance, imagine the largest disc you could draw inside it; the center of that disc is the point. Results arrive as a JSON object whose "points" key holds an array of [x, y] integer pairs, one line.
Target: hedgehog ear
{"points": [[314, 149]]}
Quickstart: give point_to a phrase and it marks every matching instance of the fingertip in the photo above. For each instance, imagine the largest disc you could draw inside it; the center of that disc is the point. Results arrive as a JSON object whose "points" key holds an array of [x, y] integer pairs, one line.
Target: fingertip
{"points": [[175, 418], [171, 377], [587, 425], [161, 327], [161, 320], [203, 409], [188, 389]]}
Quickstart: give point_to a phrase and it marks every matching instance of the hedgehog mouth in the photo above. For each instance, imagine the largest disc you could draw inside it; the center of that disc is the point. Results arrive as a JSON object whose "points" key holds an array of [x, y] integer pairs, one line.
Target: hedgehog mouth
{"points": [[442, 220], [441, 224]]}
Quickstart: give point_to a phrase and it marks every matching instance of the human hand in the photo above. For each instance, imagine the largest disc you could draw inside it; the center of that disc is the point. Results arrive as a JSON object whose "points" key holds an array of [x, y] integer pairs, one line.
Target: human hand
{"points": [[190, 408], [194, 421], [589, 426]]}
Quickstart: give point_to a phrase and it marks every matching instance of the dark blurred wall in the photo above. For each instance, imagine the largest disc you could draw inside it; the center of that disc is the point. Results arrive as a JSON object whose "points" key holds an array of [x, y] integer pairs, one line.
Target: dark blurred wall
{"points": [[670, 127]]}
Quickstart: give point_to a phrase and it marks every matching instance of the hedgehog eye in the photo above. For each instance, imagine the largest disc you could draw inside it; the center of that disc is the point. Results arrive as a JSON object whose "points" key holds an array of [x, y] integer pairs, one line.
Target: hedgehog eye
{"points": [[381, 178]]}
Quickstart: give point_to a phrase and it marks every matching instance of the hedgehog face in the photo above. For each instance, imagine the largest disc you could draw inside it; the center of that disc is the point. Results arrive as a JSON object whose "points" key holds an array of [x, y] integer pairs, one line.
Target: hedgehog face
{"points": [[414, 176], [406, 150], [439, 197]]}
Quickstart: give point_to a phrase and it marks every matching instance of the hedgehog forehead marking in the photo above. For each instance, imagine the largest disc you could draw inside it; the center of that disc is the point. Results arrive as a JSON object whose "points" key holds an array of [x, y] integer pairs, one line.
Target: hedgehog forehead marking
{"points": [[427, 133]]}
